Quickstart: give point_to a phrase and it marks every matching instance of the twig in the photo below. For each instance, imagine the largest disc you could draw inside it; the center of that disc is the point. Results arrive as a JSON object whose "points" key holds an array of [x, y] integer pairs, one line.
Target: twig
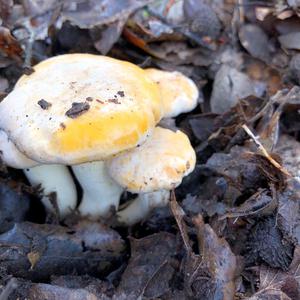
{"points": [[28, 50], [151, 277], [179, 215], [241, 11], [170, 3], [264, 151], [280, 97], [9, 288]]}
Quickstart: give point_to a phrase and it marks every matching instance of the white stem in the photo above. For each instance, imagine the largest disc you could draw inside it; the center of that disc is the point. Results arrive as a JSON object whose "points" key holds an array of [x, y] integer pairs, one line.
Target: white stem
{"points": [[100, 192], [54, 178], [140, 207]]}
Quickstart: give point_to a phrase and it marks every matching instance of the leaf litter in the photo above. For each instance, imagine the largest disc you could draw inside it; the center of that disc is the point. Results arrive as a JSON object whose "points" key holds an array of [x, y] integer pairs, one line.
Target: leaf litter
{"points": [[232, 228]]}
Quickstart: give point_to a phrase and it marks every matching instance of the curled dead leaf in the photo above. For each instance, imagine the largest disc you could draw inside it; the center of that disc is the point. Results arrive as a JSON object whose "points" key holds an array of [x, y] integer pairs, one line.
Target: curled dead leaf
{"points": [[9, 46]]}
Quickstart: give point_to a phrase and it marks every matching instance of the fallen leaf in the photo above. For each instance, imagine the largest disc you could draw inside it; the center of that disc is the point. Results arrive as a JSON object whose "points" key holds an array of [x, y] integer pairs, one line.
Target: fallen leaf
{"points": [[87, 248], [6, 7], [266, 244], [14, 289], [51, 292], [289, 151], [255, 41], [179, 53], [288, 216], [290, 40], [246, 171], [211, 274], [14, 205], [90, 13], [229, 86], [294, 68], [9, 46], [221, 263], [276, 284], [201, 18], [88, 283], [109, 36], [149, 269], [258, 204]]}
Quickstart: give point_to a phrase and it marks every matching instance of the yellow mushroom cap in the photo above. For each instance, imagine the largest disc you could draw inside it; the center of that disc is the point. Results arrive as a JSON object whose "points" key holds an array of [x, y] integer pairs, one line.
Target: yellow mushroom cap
{"points": [[179, 93], [160, 163], [76, 108]]}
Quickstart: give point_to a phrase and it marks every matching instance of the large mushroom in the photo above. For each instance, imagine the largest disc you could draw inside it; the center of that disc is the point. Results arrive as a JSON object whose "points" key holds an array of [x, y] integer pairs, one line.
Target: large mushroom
{"points": [[78, 110], [75, 110], [152, 170]]}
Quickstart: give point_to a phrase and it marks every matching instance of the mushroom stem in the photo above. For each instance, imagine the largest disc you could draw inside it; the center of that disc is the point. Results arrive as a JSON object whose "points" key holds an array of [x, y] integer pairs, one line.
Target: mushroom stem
{"points": [[54, 178], [100, 191], [140, 207]]}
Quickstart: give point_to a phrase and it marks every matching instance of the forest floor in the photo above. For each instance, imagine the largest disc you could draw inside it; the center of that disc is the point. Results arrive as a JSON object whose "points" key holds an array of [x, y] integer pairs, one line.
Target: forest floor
{"points": [[232, 228]]}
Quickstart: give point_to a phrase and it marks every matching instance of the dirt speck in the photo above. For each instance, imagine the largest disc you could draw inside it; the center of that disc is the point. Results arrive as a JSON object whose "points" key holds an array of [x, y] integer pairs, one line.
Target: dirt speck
{"points": [[121, 93], [77, 109], [44, 104], [114, 101], [63, 126]]}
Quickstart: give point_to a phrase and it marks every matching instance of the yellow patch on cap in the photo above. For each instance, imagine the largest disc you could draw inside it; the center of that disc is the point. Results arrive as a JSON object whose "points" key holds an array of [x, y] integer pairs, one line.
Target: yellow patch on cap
{"points": [[109, 134]]}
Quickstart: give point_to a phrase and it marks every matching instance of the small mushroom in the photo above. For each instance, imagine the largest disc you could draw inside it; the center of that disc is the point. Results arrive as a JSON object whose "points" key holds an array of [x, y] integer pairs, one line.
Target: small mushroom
{"points": [[152, 170], [179, 94]]}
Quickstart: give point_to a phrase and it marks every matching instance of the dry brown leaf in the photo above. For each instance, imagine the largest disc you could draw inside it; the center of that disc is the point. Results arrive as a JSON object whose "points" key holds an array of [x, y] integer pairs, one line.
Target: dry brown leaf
{"points": [[9, 46], [275, 284]]}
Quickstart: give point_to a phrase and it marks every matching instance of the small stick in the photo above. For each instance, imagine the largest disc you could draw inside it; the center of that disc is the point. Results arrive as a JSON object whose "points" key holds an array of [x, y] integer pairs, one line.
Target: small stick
{"points": [[264, 151], [170, 3], [28, 50], [8, 289], [241, 11], [179, 215]]}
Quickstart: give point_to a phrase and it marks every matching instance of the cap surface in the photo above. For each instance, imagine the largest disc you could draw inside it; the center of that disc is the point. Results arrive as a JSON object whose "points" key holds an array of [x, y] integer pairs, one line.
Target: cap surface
{"points": [[77, 108], [179, 93], [160, 163]]}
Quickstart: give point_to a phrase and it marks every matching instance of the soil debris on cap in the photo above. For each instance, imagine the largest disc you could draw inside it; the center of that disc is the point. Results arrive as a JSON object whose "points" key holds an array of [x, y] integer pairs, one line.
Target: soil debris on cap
{"points": [[62, 125], [121, 93], [28, 70], [77, 109], [44, 104], [90, 99], [114, 101]]}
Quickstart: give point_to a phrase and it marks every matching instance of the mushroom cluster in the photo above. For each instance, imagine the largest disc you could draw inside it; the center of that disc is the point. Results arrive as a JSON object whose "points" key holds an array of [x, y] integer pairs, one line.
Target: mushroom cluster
{"points": [[98, 117]]}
